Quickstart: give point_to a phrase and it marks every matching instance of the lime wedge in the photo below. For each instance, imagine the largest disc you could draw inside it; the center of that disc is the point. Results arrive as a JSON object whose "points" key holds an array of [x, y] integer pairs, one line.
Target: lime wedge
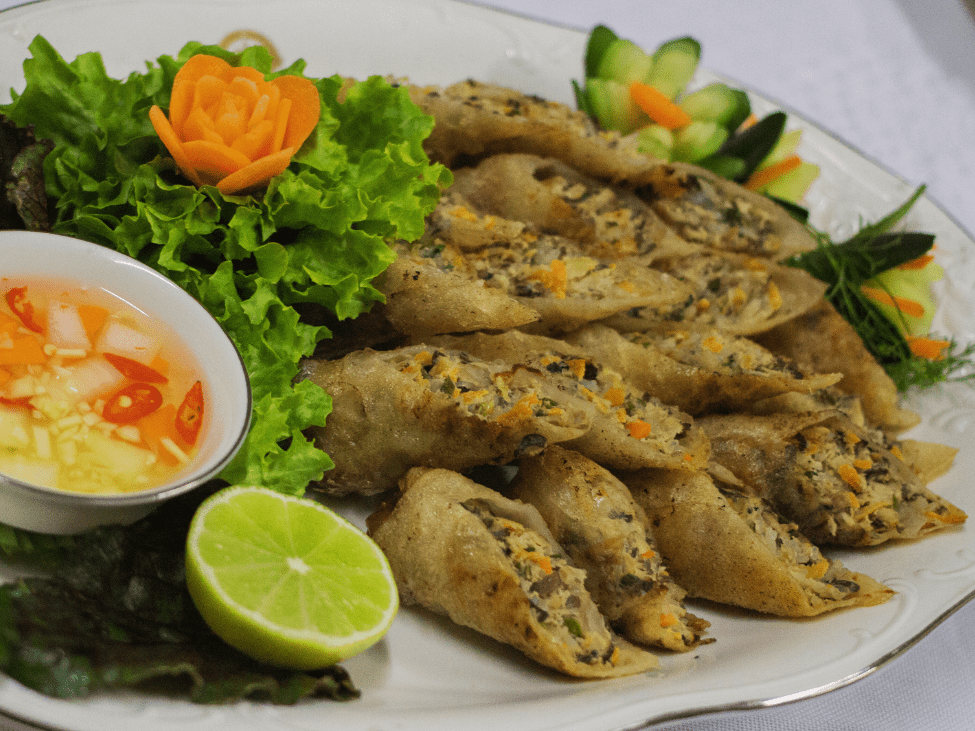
{"points": [[286, 580]]}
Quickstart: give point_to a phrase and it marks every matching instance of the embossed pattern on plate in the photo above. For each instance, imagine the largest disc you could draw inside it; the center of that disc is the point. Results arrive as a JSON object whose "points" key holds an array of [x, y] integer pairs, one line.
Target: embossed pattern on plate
{"points": [[429, 674]]}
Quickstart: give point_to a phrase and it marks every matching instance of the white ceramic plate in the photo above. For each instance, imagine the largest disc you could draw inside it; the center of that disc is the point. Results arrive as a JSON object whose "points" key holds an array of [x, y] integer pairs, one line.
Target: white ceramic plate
{"points": [[429, 674]]}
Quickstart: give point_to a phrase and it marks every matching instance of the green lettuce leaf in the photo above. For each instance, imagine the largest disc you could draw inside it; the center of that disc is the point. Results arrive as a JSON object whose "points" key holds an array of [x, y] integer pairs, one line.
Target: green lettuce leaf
{"points": [[317, 237]]}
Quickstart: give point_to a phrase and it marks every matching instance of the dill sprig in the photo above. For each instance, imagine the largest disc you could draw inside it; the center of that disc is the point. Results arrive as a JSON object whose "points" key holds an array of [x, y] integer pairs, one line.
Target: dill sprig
{"points": [[845, 266]]}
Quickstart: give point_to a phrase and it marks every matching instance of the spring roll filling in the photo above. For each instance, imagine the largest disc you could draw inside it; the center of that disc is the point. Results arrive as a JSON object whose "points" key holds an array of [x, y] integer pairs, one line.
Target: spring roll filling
{"points": [[701, 213], [718, 352], [815, 573], [643, 416], [554, 587]]}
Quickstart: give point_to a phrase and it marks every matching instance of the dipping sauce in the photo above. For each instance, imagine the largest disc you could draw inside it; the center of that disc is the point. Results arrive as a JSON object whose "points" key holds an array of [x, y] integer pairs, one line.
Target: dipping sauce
{"points": [[95, 396]]}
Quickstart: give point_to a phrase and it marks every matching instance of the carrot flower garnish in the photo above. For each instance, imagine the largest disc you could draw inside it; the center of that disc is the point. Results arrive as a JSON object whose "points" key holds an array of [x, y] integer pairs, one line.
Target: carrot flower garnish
{"points": [[229, 127]]}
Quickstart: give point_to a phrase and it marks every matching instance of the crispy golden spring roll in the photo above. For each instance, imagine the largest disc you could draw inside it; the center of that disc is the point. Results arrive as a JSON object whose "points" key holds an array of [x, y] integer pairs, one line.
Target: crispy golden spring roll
{"points": [[491, 564], [738, 294], [821, 341], [610, 222], [705, 208], [593, 517], [475, 119], [840, 483], [549, 274], [421, 406], [697, 370], [735, 549], [630, 428], [431, 289]]}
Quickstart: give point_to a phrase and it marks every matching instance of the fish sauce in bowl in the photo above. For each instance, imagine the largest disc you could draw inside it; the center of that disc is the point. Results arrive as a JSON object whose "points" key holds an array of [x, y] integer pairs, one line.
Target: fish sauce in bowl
{"points": [[95, 395]]}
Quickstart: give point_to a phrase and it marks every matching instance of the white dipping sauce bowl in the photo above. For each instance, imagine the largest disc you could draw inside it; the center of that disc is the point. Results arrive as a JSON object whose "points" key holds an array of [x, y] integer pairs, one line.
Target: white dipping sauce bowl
{"points": [[227, 393]]}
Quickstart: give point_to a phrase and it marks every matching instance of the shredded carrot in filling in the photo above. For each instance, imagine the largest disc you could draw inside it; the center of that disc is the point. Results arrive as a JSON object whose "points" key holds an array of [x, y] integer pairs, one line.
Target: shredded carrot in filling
{"points": [[950, 519], [639, 429], [818, 569], [615, 396], [578, 366], [544, 562], [667, 620], [554, 279], [713, 344], [850, 476], [521, 410]]}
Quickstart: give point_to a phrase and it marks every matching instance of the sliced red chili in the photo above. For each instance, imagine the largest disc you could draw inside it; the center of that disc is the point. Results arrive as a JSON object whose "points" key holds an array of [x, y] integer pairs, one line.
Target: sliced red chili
{"points": [[134, 369], [131, 403], [189, 415], [21, 306], [20, 401]]}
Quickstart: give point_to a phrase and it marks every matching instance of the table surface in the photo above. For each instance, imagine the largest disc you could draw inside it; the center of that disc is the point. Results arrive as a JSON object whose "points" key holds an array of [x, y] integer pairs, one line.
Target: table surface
{"points": [[896, 80]]}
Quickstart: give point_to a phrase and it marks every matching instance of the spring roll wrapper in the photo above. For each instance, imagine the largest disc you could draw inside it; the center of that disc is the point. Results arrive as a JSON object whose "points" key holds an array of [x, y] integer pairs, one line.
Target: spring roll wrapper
{"points": [[761, 452], [445, 559], [821, 341], [423, 299], [383, 422], [714, 554], [692, 388], [594, 518], [607, 441]]}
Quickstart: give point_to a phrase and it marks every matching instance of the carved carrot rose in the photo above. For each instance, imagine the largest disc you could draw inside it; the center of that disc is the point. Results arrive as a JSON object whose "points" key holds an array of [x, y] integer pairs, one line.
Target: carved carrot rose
{"points": [[230, 128]]}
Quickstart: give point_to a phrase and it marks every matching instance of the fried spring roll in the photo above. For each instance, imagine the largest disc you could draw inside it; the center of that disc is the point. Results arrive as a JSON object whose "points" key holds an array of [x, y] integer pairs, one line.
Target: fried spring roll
{"points": [[431, 289], [594, 518], [742, 295], [735, 549], [842, 484], [630, 428], [491, 564], [609, 222], [420, 406], [821, 341], [476, 119], [697, 371], [705, 208]]}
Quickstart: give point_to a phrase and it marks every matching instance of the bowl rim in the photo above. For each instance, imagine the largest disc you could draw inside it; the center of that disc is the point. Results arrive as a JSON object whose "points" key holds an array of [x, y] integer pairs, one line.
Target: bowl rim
{"points": [[113, 258]]}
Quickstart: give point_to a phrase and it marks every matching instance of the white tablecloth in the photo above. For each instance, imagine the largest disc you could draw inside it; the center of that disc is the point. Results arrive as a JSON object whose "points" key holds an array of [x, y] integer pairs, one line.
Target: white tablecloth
{"points": [[895, 79]]}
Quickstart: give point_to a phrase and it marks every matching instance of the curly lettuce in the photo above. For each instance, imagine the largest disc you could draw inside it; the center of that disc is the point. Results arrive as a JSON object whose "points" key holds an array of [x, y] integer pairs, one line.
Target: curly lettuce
{"points": [[317, 237]]}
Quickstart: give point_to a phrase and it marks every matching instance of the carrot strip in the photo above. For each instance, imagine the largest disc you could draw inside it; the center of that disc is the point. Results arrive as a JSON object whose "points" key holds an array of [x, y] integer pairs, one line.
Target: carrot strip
{"points": [[209, 158], [919, 263], [92, 317], [256, 173], [24, 350], [761, 178], [615, 396], [257, 142], [184, 85], [639, 429], [168, 136], [306, 108], [907, 306], [927, 348], [658, 107], [281, 124]]}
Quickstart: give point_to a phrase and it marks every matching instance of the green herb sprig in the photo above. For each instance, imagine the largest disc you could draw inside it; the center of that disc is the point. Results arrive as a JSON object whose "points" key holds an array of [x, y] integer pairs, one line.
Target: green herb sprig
{"points": [[845, 266]]}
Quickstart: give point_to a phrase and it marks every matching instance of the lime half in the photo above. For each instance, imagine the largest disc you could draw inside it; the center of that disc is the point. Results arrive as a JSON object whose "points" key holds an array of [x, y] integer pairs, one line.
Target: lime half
{"points": [[286, 580]]}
